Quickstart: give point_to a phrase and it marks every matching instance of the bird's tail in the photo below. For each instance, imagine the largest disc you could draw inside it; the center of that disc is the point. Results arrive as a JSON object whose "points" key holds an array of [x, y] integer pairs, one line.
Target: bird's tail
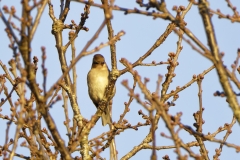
{"points": [[106, 117]]}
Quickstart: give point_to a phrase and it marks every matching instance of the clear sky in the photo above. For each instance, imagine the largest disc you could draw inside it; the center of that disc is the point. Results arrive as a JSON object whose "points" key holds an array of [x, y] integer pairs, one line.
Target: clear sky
{"points": [[141, 33]]}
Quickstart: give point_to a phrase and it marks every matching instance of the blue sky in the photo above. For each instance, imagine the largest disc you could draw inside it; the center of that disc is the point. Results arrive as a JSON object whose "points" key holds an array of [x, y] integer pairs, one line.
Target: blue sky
{"points": [[141, 33]]}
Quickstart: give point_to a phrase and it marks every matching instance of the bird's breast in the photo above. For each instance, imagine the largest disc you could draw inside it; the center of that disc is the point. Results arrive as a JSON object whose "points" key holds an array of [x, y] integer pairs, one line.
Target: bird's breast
{"points": [[97, 82]]}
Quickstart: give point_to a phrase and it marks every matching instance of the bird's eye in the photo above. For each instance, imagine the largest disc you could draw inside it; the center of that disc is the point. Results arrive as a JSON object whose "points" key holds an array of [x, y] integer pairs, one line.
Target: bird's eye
{"points": [[102, 63], [95, 62]]}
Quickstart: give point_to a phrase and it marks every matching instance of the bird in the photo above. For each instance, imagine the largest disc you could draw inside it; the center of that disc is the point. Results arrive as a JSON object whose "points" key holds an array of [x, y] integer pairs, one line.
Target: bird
{"points": [[97, 80]]}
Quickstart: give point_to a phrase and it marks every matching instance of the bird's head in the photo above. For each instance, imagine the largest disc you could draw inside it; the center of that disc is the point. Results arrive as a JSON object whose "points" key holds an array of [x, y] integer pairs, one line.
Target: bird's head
{"points": [[98, 61]]}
